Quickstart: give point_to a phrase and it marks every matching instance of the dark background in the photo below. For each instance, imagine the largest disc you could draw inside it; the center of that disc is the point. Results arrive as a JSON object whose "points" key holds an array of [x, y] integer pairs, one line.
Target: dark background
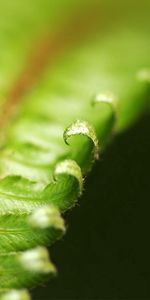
{"points": [[106, 251]]}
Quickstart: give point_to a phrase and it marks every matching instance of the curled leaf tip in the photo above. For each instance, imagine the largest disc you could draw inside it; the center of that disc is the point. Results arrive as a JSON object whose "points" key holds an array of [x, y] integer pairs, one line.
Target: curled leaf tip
{"points": [[80, 127], [37, 260], [71, 168], [107, 98], [16, 295], [47, 216], [144, 75]]}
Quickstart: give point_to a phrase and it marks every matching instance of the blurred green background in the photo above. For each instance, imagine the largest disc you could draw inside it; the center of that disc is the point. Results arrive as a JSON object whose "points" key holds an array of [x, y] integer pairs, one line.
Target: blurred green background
{"points": [[106, 251]]}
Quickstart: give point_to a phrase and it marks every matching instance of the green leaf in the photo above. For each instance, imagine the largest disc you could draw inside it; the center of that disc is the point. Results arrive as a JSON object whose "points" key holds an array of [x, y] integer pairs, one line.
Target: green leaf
{"points": [[95, 83]]}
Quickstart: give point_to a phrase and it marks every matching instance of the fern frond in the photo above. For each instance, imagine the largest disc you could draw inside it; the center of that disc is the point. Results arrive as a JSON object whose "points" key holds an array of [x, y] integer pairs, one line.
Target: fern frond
{"points": [[40, 175]]}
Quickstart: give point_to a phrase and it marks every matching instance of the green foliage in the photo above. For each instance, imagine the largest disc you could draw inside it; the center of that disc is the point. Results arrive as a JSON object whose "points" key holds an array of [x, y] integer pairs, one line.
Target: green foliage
{"points": [[97, 87]]}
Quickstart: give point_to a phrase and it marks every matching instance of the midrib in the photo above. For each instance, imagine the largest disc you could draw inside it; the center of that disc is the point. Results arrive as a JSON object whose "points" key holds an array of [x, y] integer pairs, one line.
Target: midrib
{"points": [[44, 53]]}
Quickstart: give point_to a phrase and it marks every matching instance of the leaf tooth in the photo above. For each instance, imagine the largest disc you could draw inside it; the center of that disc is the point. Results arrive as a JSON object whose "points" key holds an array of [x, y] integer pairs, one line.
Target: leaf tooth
{"points": [[144, 75], [47, 216], [37, 260], [16, 295], [107, 98], [80, 127], [69, 167]]}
